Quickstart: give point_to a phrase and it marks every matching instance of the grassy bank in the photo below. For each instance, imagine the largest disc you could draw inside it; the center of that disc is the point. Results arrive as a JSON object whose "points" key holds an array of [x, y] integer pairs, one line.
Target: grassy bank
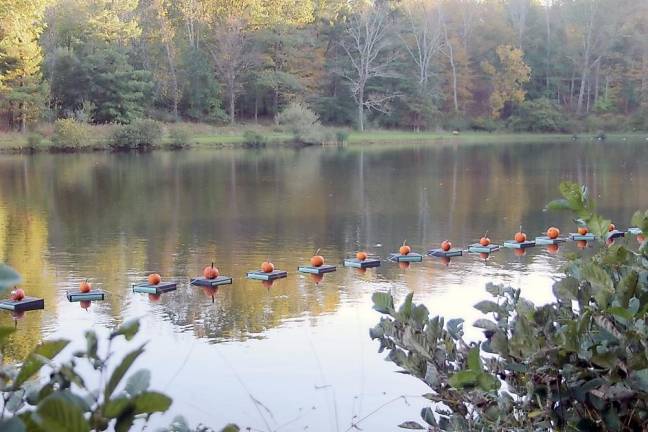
{"points": [[97, 138]]}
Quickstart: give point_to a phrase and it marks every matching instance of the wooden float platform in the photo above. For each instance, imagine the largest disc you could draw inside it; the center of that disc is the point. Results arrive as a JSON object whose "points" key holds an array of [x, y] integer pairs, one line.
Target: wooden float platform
{"points": [[161, 288], [26, 304], [440, 253], [582, 237], [478, 248], [512, 244], [410, 257], [356, 263], [634, 230], [76, 295], [614, 234], [544, 240], [259, 275], [325, 268], [211, 283]]}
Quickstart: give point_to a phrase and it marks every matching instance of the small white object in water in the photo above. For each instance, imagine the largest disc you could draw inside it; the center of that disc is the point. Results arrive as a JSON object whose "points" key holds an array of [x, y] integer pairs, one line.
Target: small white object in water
{"points": [[378, 245]]}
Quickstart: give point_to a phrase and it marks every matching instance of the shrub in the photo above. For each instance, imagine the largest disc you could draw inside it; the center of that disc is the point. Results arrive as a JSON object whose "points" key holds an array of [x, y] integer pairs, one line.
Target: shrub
{"points": [[578, 363], [456, 122], [342, 136], [303, 123], [179, 137], [141, 135], [69, 135], [484, 124], [540, 115], [34, 142], [254, 139]]}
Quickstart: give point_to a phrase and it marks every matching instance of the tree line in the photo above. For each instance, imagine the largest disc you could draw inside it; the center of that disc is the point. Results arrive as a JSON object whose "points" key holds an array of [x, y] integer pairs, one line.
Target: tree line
{"points": [[412, 64]]}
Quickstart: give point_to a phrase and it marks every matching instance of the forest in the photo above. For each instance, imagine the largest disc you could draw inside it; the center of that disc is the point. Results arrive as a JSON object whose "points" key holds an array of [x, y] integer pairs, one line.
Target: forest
{"points": [[520, 65]]}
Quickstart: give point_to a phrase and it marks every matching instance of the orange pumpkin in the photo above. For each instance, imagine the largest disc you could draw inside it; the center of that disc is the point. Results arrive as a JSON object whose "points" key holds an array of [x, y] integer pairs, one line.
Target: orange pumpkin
{"points": [[317, 260], [361, 256], [611, 227], [17, 294], [404, 250], [446, 245], [267, 267], [552, 248], [582, 230], [403, 265], [519, 252], [581, 244], [85, 304], [317, 278], [210, 272], [484, 241], [154, 279], [85, 286], [553, 233], [520, 237]]}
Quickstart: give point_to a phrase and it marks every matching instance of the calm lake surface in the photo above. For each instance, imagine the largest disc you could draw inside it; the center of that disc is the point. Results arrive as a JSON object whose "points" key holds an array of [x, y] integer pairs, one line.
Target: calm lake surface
{"points": [[299, 348]]}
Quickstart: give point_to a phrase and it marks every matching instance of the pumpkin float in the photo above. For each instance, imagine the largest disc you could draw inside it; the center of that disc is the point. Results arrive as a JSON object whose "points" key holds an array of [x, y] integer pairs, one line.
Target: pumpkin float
{"points": [[154, 279], [553, 233], [267, 267], [85, 286], [317, 260], [583, 230], [211, 272], [17, 294], [484, 240], [611, 227], [361, 256], [446, 245], [520, 236], [404, 249]]}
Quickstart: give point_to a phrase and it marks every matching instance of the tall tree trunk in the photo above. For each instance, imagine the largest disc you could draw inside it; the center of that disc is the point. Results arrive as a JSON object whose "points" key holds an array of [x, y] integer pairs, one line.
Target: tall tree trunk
{"points": [[174, 79], [232, 102], [361, 109]]}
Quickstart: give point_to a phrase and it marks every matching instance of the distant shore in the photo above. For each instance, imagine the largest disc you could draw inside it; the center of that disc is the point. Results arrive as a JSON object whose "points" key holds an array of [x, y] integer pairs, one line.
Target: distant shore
{"points": [[201, 136]]}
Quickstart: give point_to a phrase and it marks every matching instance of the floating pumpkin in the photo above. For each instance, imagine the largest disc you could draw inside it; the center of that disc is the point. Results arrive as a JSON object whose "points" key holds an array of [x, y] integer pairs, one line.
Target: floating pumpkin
{"points": [[581, 244], [85, 304], [553, 233], [17, 294], [520, 236], [210, 272], [446, 245], [403, 265], [552, 248], [361, 256], [484, 240], [317, 278], [85, 286], [519, 252], [154, 279], [611, 227], [317, 260], [582, 230], [267, 267], [404, 250]]}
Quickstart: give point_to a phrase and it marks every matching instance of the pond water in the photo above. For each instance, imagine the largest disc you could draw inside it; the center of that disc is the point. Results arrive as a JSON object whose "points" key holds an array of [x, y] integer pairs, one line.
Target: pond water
{"points": [[295, 355]]}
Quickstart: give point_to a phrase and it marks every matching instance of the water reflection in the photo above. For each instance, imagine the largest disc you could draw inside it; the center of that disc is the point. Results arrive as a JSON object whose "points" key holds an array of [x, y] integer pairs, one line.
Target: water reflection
{"points": [[114, 218]]}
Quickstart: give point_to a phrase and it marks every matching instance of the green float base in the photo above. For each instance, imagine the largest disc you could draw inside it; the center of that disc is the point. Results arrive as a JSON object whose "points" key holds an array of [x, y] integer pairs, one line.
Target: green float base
{"points": [[544, 240], [160, 288], [583, 237], [410, 257], [26, 304], [512, 244], [440, 253], [478, 248], [76, 296], [259, 275], [317, 270], [356, 263], [614, 234], [634, 230], [211, 283]]}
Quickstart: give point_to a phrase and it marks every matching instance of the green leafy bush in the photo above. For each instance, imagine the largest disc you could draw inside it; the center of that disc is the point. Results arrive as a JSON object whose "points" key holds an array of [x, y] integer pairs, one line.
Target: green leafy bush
{"points": [[539, 115], [303, 123], [70, 135], [342, 136], [179, 138], [141, 135], [579, 363], [254, 139], [34, 142]]}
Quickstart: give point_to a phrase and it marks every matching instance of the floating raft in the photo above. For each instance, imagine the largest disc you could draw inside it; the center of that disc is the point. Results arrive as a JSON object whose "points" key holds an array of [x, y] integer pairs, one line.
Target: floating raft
{"points": [[410, 257], [634, 230], [75, 296], [478, 248], [211, 283], [325, 268], [26, 304], [447, 254], [356, 263], [259, 275], [544, 240], [614, 234], [160, 288], [515, 245], [582, 237]]}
